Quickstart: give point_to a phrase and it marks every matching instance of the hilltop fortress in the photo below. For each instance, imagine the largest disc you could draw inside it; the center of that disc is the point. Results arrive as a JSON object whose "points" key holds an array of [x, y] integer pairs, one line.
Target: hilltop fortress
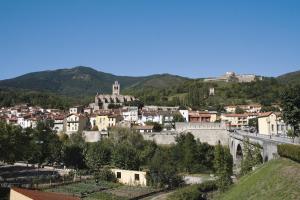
{"points": [[103, 100], [233, 77]]}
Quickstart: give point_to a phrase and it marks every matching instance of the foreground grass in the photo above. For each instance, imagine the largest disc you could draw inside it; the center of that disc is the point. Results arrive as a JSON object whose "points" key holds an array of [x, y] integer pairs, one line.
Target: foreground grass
{"points": [[276, 180]]}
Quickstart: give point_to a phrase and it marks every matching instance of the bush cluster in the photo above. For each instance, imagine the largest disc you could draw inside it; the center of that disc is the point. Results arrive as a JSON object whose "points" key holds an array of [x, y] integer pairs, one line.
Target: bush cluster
{"points": [[289, 151], [194, 192], [105, 175]]}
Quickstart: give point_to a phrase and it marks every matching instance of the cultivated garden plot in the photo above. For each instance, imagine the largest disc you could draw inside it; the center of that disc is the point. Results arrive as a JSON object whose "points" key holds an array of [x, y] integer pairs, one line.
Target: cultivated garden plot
{"points": [[90, 190], [131, 191], [83, 188]]}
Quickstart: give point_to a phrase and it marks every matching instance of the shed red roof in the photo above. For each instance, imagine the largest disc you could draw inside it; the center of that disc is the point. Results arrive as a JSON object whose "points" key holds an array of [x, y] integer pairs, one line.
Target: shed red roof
{"points": [[38, 195]]}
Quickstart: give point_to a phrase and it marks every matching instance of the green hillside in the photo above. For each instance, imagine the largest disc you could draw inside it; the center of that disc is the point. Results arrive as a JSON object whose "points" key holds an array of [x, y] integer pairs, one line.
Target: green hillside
{"points": [[291, 78], [276, 180], [159, 89], [82, 81]]}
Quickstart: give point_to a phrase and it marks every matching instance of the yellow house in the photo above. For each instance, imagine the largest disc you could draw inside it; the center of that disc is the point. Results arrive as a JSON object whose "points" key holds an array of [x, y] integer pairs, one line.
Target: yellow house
{"points": [[103, 122], [131, 177]]}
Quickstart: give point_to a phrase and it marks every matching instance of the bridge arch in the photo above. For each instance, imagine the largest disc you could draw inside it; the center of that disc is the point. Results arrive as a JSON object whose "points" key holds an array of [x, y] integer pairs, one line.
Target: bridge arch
{"points": [[239, 153]]}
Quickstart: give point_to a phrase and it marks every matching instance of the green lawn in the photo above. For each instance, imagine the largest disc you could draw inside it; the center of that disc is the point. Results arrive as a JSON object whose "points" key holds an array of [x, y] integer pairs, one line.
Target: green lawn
{"points": [[275, 180]]}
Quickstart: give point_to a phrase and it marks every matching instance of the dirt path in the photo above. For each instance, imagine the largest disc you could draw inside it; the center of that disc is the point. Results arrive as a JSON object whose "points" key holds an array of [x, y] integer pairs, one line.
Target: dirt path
{"points": [[159, 196]]}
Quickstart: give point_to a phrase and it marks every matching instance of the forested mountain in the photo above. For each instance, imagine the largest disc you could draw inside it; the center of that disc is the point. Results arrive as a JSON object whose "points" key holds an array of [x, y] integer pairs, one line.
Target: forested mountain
{"points": [[78, 86], [83, 81], [11, 97], [290, 78]]}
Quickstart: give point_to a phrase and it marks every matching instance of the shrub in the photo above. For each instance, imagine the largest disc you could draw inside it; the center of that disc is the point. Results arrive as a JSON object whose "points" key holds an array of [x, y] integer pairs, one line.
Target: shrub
{"points": [[208, 186], [194, 192], [105, 175], [289, 151]]}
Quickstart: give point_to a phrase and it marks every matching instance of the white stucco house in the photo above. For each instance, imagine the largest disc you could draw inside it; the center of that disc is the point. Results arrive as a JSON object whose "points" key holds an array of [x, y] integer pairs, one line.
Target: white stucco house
{"points": [[131, 177], [271, 123]]}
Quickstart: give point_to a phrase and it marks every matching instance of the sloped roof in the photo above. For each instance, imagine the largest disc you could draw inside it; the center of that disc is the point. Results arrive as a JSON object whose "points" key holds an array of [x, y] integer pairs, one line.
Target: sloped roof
{"points": [[39, 195]]}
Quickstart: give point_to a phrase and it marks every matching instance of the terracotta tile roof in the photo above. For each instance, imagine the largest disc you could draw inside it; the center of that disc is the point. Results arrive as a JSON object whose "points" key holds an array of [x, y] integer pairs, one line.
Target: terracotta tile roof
{"points": [[265, 114], [38, 195]]}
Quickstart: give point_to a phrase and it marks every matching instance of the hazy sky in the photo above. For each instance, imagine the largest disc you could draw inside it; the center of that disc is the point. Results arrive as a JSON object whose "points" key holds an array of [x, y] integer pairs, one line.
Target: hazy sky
{"points": [[139, 37]]}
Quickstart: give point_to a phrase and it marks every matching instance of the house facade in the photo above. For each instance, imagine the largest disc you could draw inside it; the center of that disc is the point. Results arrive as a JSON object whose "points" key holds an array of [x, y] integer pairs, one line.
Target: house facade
{"points": [[130, 114], [235, 120], [75, 123], [131, 177], [202, 116], [271, 123]]}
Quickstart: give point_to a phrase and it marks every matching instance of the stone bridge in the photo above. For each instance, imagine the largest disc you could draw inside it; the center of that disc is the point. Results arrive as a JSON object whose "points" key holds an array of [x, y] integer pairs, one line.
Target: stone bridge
{"points": [[268, 144]]}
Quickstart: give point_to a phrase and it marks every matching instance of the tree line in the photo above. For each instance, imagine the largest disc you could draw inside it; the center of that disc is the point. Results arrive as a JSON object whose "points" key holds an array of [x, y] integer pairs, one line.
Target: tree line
{"points": [[125, 149]]}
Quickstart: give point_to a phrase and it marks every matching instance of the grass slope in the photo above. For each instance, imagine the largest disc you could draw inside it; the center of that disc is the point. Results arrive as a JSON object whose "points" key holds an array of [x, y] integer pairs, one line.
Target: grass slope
{"points": [[277, 179]]}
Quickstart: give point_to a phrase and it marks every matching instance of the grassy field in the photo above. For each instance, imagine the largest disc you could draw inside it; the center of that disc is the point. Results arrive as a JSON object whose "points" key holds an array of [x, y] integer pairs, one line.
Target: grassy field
{"points": [[276, 180]]}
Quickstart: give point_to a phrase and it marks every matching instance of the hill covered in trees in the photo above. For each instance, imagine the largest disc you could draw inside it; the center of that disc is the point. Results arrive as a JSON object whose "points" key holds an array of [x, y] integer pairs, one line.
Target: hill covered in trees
{"points": [[195, 93], [161, 89], [84, 81], [290, 78]]}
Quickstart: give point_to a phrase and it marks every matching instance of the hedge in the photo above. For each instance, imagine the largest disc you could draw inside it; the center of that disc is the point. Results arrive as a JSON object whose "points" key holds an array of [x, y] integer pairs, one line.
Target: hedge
{"points": [[289, 151], [194, 192]]}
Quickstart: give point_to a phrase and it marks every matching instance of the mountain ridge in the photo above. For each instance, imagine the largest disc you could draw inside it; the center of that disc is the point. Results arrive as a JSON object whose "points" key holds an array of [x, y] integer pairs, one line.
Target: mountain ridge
{"points": [[72, 81]]}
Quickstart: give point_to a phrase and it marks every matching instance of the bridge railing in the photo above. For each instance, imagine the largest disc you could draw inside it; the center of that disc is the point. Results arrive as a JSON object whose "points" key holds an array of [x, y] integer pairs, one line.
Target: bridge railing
{"points": [[276, 138]]}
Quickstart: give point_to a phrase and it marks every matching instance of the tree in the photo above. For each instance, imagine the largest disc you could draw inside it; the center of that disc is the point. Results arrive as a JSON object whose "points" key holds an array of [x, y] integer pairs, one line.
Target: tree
{"points": [[73, 156], [187, 151], [120, 135], [205, 156], [253, 123], [14, 143], [98, 154], [162, 170], [148, 152], [223, 164], [239, 110], [290, 102], [157, 127], [251, 156], [46, 144], [125, 157], [178, 118]]}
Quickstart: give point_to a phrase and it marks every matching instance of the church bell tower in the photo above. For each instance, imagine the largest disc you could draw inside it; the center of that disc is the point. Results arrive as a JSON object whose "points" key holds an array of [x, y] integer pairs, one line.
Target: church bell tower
{"points": [[116, 88]]}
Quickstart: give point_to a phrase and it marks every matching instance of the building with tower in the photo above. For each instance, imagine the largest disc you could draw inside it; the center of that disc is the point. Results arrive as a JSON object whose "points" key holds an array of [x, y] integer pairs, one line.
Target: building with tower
{"points": [[116, 88], [102, 101]]}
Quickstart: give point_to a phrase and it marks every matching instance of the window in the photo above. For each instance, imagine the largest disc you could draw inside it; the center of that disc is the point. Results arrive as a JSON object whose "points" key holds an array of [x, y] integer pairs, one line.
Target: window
{"points": [[272, 127], [118, 174], [136, 177]]}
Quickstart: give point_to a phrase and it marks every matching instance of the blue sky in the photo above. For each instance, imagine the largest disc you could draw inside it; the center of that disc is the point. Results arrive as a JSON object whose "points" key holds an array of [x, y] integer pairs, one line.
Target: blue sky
{"points": [[139, 37]]}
